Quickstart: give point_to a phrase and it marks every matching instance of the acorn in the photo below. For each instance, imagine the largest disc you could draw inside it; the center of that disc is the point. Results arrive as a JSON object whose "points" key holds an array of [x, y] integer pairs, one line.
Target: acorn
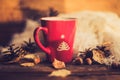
{"points": [[88, 61], [78, 61]]}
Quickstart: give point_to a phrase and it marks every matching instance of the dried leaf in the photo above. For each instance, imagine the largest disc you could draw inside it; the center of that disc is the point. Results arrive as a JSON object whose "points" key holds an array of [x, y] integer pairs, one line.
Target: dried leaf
{"points": [[58, 64], [29, 64], [60, 73], [98, 56]]}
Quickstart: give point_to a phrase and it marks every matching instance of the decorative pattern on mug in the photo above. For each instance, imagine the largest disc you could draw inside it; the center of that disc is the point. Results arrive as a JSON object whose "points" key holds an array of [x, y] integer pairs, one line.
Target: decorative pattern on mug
{"points": [[63, 46]]}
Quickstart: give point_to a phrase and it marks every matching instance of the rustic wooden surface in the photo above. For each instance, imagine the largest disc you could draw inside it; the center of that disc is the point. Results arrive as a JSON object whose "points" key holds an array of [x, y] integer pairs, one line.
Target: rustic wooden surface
{"points": [[41, 72]]}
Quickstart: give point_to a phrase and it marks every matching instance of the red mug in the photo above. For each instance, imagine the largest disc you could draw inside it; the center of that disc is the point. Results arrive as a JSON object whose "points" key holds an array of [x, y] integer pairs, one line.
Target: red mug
{"points": [[59, 34]]}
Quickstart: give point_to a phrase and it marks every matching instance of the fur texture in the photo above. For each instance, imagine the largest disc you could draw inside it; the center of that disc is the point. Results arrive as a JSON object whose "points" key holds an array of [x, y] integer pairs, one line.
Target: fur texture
{"points": [[95, 28]]}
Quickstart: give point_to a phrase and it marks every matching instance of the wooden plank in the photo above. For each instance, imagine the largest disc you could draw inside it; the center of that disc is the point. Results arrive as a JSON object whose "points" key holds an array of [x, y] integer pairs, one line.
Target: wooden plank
{"points": [[41, 72], [42, 76], [47, 67]]}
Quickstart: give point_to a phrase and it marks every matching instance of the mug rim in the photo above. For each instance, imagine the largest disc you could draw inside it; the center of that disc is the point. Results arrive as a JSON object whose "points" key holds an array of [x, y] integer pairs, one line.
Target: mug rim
{"points": [[57, 18]]}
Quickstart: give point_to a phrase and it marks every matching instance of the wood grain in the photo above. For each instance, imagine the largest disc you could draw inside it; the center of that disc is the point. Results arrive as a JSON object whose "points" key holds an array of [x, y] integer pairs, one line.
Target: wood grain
{"points": [[41, 72]]}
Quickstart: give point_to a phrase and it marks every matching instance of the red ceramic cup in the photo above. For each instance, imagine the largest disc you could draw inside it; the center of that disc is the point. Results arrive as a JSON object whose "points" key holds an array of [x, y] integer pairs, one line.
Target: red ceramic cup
{"points": [[59, 34]]}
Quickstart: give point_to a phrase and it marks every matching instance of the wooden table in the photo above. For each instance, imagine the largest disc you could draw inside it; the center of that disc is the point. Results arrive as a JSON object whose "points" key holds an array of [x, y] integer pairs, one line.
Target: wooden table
{"points": [[41, 72]]}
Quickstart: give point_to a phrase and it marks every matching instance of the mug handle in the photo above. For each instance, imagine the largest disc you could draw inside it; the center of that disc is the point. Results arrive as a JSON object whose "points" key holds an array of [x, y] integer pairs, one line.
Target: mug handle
{"points": [[37, 40]]}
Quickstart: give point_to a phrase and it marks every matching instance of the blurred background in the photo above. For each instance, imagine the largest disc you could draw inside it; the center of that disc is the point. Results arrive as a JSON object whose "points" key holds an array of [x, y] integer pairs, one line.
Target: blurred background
{"points": [[19, 18]]}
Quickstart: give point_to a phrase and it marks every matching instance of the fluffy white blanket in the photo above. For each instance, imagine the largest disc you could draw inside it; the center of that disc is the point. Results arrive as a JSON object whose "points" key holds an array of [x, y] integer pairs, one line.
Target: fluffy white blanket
{"points": [[94, 28]]}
